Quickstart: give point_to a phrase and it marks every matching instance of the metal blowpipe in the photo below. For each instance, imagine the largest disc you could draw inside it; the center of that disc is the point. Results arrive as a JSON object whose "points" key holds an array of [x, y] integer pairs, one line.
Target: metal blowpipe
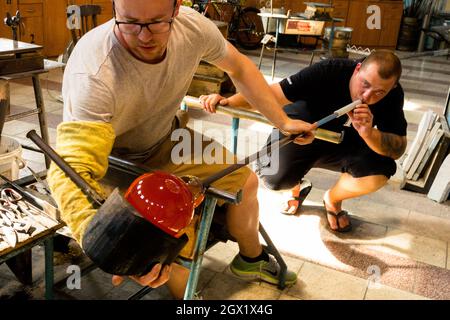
{"points": [[72, 174], [339, 112], [281, 143]]}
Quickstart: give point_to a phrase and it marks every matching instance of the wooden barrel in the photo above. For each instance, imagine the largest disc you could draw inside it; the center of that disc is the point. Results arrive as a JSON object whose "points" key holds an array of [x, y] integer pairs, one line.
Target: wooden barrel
{"points": [[408, 36]]}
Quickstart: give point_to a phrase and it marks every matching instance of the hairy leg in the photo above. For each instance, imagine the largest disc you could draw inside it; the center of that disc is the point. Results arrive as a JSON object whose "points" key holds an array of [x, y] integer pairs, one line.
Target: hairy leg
{"points": [[243, 219], [178, 281], [348, 187]]}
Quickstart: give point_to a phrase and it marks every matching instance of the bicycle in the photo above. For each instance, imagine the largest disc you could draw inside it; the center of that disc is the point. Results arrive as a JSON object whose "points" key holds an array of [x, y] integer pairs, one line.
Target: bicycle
{"points": [[244, 25]]}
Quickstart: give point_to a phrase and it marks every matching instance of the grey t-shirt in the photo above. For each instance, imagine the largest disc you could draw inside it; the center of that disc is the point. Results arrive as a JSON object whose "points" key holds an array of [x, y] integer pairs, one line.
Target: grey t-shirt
{"points": [[103, 82]]}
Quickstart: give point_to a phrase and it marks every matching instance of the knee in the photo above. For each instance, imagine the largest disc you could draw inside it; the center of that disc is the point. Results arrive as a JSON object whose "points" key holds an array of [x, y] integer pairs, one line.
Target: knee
{"points": [[178, 280], [376, 182], [381, 180], [251, 185], [276, 183]]}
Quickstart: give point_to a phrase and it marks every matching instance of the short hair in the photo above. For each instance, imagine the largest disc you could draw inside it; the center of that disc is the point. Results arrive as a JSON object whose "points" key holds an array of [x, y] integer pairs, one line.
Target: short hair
{"points": [[389, 64]]}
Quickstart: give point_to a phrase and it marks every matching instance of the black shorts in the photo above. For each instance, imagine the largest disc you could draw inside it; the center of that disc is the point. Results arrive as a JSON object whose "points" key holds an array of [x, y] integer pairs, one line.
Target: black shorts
{"points": [[352, 156]]}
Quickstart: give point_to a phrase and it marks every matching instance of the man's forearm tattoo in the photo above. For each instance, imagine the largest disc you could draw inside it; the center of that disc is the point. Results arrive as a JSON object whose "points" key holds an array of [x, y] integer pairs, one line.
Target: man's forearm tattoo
{"points": [[392, 145]]}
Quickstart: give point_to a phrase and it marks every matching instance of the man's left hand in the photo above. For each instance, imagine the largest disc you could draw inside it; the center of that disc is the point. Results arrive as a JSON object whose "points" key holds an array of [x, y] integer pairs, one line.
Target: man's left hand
{"points": [[209, 102], [362, 120], [303, 128]]}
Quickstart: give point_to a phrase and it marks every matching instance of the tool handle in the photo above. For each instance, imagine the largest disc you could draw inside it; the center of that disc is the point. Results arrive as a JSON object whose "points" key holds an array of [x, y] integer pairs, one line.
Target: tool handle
{"points": [[66, 168]]}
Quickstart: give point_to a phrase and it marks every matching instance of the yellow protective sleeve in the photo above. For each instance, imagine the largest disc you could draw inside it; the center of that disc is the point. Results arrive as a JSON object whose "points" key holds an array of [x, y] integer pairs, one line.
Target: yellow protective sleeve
{"points": [[85, 146]]}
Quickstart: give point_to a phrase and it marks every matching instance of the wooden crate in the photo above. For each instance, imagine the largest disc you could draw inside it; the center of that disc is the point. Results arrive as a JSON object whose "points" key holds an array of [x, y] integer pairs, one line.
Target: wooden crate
{"points": [[301, 27], [210, 79], [209, 70], [202, 84], [423, 184]]}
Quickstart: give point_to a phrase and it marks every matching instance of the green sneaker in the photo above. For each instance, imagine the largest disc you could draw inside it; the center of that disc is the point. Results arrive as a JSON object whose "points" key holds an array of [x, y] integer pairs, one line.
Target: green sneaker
{"points": [[267, 271]]}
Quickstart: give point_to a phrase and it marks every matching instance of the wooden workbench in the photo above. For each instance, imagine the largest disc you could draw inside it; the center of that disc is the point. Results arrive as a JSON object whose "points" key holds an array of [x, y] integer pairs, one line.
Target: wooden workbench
{"points": [[18, 258]]}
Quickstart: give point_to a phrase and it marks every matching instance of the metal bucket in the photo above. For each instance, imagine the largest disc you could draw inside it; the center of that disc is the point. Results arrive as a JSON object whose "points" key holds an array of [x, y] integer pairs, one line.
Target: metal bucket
{"points": [[408, 36], [339, 33], [342, 37]]}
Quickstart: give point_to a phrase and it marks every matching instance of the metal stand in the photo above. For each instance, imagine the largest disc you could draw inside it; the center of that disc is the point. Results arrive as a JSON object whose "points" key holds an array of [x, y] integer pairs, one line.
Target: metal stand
{"points": [[277, 18], [200, 248], [209, 206], [203, 236], [24, 61], [47, 240], [40, 107], [24, 248], [268, 38]]}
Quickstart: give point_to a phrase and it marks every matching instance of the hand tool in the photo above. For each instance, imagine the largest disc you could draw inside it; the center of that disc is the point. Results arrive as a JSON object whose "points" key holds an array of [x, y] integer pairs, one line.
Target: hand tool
{"points": [[23, 213], [42, 201], [6, 226]]}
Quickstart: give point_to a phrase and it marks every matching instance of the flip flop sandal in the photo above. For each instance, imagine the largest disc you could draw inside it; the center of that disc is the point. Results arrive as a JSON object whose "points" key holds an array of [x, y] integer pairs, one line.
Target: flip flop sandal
{"points": [[341, 213], [305, 188]]}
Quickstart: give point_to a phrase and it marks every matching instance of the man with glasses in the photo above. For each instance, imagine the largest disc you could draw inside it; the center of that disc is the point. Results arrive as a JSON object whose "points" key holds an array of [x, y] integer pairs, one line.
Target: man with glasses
{"points": [[122, 89], [376, 137]]}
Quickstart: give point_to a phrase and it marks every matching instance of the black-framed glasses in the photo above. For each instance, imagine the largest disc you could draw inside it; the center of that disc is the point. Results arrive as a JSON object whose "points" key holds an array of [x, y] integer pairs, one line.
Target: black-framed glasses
{"points": [[135, 28]]}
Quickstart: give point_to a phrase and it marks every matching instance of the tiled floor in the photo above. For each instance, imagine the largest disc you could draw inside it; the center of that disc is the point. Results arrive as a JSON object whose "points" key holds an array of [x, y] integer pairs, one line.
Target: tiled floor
{"points": [[399, 248]]}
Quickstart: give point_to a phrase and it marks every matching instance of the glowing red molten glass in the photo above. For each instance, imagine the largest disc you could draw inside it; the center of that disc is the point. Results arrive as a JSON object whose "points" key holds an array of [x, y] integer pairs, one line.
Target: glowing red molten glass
{"points": [[163, 199]]}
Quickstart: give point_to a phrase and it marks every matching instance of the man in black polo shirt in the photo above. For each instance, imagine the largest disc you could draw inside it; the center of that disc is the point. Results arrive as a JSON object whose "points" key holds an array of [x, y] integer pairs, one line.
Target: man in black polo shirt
{"points": [[375, 138]]}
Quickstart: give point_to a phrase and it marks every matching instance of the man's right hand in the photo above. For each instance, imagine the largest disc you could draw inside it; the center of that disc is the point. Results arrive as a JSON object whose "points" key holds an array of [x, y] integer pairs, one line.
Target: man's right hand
{"points": [[210, 101], [153, 279]]}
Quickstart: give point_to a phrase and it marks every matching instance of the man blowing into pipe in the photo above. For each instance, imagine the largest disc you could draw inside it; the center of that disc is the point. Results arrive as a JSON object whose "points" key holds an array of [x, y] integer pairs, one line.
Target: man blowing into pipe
{"points": [[376, 137]]}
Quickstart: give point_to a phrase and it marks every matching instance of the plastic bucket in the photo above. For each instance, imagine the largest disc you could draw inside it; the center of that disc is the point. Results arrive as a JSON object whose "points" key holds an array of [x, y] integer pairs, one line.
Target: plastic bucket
{"points": [[10, 158]]}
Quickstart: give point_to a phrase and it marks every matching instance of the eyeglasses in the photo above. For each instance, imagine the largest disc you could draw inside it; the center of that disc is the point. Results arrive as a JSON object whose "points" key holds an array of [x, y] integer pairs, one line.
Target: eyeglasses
{"points": [[135, 28]]}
